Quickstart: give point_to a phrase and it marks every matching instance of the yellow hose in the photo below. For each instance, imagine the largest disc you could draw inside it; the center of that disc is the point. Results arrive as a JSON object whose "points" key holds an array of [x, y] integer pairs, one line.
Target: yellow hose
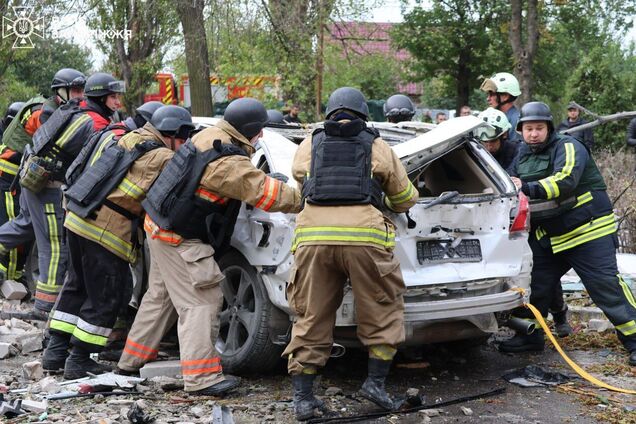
{"points": [[580, 371]]}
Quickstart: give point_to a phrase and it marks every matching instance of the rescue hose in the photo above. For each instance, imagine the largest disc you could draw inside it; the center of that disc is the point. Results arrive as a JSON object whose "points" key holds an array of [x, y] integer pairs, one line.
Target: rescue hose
{"points": [[580, 371]]}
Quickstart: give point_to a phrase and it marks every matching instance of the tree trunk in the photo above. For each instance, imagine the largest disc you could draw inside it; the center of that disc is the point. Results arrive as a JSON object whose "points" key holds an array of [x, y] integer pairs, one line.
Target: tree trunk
{"points": [[196, 52], [524, 53]]}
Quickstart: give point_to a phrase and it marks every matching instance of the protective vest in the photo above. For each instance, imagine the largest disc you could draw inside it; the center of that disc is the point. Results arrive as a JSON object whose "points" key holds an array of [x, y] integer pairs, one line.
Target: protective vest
{"points": [[45, 137], [15, 137], [341, 166], [583, 215], [171, 202], [92, 187], [98, 142]]}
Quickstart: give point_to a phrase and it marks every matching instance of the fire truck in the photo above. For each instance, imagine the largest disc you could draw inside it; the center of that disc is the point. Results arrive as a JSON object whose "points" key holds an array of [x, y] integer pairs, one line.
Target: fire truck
{"points": [[167, 89]]}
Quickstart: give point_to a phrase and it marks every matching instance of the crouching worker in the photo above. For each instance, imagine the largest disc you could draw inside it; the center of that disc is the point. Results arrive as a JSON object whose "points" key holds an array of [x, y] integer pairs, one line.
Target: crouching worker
{"points": [[104, 214], [342, 234], [191, 210]]}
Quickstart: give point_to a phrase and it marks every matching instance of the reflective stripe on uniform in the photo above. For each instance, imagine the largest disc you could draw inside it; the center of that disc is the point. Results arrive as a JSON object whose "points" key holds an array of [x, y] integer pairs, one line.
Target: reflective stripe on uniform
{"points": [[403, 196], [270, 193], [54, 239], [343, 234], [62, 326], [65, 316], [11, 271], [201, 366], [63, 321], [628, 328], [140, 351], [156, 232], [100, 149], [89, 338], [8, 167], [583, 199], [549, 184], [70, 130], [597, 228], [384, 352], [93, 329], [99, 235], [131, 189], [209, 196], [627, 291]]}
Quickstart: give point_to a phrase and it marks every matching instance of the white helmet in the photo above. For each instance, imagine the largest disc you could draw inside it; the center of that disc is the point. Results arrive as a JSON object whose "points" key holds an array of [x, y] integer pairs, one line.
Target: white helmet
{"points": [[499, 125], [502, 82]]}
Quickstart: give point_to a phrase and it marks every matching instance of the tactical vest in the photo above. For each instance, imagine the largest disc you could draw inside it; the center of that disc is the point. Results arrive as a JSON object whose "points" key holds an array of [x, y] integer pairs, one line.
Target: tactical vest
{"points": [[97, 143], [45, 137], [172, 204], [94, 185], [341, 172], [15, 137], [557, 215]]}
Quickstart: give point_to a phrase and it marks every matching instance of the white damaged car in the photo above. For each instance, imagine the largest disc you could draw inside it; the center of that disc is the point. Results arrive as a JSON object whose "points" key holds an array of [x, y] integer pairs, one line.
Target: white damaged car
{"points": [[462, 247]]}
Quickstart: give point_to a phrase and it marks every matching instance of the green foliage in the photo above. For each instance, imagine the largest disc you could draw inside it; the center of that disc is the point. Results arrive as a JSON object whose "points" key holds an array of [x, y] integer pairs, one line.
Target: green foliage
{"points": [[605, 82], [12, 89]]}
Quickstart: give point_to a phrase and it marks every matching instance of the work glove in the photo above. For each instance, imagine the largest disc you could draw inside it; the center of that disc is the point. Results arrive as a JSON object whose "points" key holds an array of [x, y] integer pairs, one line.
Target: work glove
{"points": [[278, 176]]}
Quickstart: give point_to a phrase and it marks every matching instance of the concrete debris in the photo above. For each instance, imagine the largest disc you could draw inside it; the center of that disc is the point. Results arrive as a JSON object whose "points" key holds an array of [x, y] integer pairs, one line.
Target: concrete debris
{"points": [[30, 342], [7, 350], [425, 419], [197, 411], [34, 406], [161, 368], [13, 290], [333, 391], [18, 323], [10, 409], [222, 415], [430, 412], [47, 385], [599, 325], [466, 411], [32, 370]]}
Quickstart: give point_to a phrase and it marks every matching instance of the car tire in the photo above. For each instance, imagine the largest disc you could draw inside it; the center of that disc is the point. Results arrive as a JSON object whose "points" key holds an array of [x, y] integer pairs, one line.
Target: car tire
{"points": [[243, 341]]}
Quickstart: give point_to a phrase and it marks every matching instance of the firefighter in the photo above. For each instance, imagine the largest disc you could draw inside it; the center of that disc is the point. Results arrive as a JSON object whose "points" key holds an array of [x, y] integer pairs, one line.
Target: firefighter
{"points": [[398, 108], [502, 90], [274, 117], [572, 226], [104, 240], [185, 227], [10, 113], [496, 140], [341, 234], [17, 232]]}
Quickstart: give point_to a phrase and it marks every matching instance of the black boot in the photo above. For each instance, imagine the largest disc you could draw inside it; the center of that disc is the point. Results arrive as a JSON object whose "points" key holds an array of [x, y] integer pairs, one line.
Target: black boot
{"points": [[219, 389], [533, 342], [304, 400], [561, 324], [79, 363], [373, 387], [56, 352]]}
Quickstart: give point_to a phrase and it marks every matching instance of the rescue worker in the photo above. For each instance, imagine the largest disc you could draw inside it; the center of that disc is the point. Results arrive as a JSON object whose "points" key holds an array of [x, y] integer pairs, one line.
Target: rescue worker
{"points": [[186, 229], [496, 140], [275, 117], [398, 108], [572, 226], [502, 90], [17, 233], [341, 234], [574, 120], [103, 243], [10, 113]]}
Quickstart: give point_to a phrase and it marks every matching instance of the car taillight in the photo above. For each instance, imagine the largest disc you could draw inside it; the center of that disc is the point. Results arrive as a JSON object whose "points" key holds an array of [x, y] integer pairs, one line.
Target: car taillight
{"points": [[521, 221]]}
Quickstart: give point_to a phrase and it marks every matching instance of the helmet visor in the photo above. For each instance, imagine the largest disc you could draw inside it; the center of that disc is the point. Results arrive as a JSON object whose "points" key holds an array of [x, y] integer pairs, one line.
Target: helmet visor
{"points": [[117, 86], [78, 82], [402, 111], [488, 133]]}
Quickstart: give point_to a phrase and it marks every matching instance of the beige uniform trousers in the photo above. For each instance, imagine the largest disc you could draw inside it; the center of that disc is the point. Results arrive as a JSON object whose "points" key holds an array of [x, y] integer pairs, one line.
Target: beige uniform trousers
{"points": [[316, 289], [184, 283]]}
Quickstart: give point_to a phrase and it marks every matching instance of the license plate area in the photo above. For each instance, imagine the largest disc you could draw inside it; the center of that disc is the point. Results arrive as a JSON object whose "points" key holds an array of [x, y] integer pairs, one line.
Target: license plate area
{"points": [[441, 251]]}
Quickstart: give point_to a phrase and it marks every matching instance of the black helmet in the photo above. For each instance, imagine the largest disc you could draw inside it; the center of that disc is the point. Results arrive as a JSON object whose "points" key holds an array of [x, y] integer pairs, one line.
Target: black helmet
{"points": [[173, 120], [67, 78], [399, 106], [348, 98], [535, 111], [274, 117], [12, 111], [248, 116], [101, 84], [147, 109]]}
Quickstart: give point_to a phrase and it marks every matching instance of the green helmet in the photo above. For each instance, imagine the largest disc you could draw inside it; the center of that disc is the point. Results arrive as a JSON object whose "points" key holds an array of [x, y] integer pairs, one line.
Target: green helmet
{"points": [[502, 82], [499, 125]]}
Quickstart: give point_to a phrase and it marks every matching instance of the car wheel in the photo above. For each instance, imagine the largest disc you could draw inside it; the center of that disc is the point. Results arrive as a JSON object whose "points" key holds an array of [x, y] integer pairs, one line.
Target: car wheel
{"points": [[243, 340]]}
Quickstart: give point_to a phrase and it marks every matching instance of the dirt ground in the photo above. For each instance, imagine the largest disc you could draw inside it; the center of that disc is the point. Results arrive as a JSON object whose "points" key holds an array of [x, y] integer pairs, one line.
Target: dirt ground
{"points": [[441, 373]]}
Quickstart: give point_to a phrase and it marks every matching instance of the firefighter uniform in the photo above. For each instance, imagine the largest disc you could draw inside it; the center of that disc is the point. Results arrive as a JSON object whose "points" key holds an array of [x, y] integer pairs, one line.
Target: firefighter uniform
{"points": [[101, 247], [184, 278], [573, 226], [17, 136], [347, 241]]}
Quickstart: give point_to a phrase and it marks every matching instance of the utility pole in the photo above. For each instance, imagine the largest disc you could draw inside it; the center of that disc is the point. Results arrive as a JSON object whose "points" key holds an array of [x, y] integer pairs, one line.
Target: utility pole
{"points": [[319, 59]]}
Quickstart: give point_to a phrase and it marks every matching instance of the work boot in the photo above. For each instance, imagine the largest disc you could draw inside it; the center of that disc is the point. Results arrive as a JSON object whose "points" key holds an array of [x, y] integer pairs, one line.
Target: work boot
{"points": [[56, 353], [79, 364], [304, 400], [373, 387], [533, 342], [632, 358], [561, 324], [219, 389]]}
